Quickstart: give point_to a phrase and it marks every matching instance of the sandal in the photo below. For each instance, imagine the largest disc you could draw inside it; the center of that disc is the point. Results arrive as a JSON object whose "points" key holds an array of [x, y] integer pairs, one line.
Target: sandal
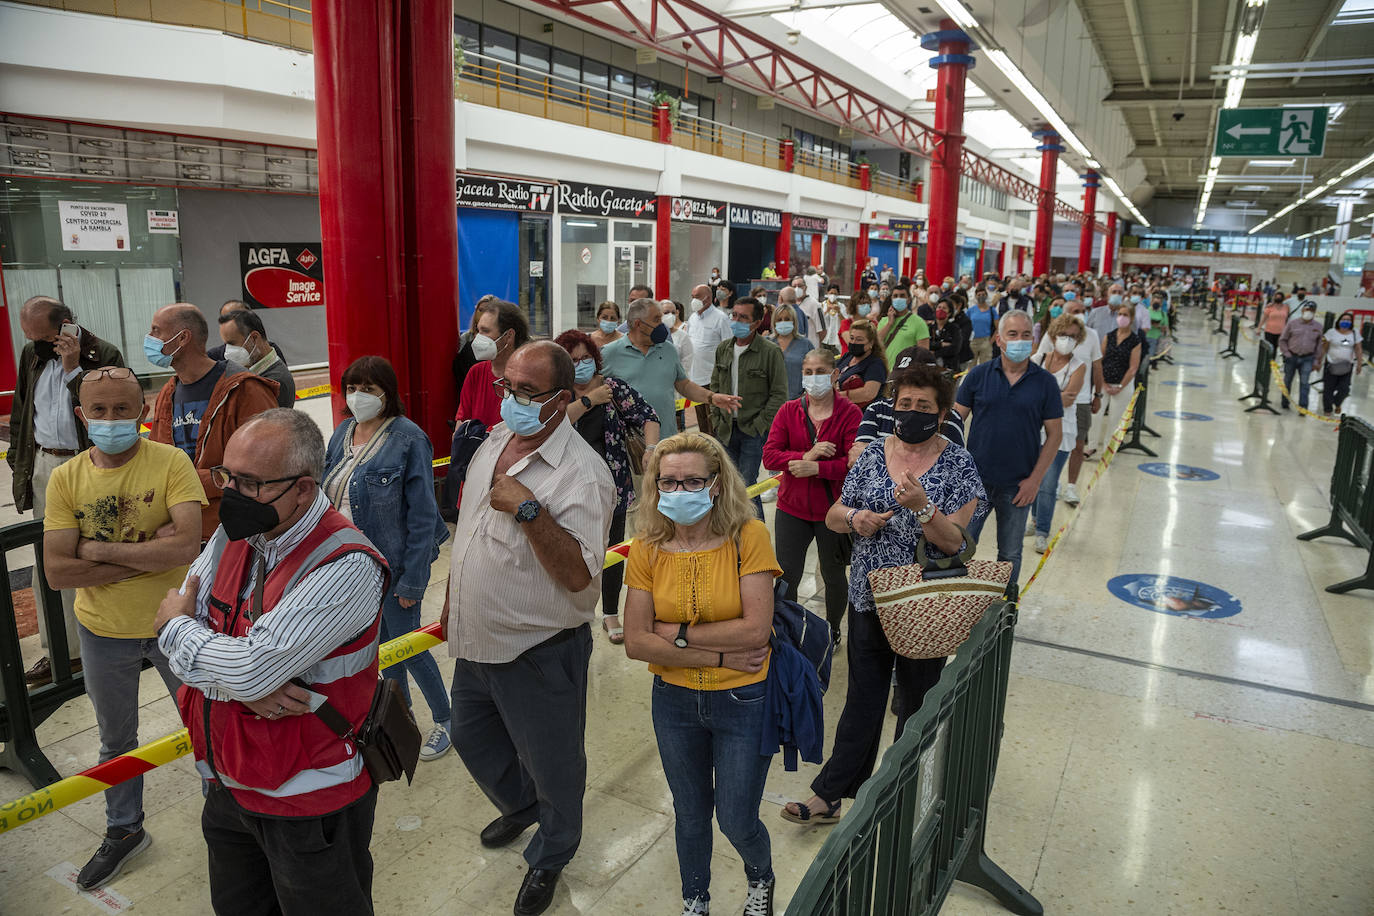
{"points": [[803, 814], [615, 632]]}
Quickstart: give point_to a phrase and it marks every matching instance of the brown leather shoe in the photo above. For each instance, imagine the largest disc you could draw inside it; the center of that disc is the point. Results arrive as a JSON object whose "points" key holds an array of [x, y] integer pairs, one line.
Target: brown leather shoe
{"points": [[39, 674]]}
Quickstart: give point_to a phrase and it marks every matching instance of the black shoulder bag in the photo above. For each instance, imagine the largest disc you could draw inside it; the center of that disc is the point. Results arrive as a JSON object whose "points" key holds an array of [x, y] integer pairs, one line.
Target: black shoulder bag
{"points": [[388, 739]]}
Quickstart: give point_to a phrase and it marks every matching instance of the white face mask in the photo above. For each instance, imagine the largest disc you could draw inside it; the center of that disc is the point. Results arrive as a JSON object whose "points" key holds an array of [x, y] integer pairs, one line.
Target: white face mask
{"points": [[483, 347], [698, 305], [818, 386], [933, 298], [830, 297], [364, 406], [237, 355], [1064, 345], [669, 319], [1308, 316]]}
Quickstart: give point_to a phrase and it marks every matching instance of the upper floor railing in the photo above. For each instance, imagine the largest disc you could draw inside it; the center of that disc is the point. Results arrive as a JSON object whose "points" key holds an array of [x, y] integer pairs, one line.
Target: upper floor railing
{"points": [[272, 21]]}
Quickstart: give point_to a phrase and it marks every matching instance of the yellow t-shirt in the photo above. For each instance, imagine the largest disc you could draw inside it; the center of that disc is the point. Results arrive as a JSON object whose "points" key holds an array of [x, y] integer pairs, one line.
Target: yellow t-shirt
{"points": [[702, 587], [126, 504]]}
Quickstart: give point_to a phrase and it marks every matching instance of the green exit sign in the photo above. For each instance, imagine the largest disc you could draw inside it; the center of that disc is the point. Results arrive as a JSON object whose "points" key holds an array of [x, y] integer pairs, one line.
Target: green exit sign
{"points": [[1250, 132]]}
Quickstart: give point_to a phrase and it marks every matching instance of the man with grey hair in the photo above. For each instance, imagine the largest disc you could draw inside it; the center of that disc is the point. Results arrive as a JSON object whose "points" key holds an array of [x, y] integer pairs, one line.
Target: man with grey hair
{"points": [[205, 401], [44, 431], [274, 633]]}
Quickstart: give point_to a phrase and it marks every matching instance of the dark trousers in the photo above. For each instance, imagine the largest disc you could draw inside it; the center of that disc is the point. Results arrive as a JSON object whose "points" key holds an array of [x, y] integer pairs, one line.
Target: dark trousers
{"points": [[263, 866], [871, 662], [793, 536], [613, 576], [746, 453], [1334, 389], [1273, 342], [520, 728], [703, 418]]}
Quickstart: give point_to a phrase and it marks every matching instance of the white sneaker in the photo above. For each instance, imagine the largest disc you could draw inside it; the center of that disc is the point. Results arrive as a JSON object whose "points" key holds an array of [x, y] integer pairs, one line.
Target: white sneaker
{"points": [[1030, 526], [1071, 494], [1041, 542], [436, 745], [770, 495], [696, 907]]}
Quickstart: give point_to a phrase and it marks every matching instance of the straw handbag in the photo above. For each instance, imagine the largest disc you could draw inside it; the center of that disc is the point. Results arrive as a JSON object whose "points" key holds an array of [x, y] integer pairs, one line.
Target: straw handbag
{"points": [[929, 608]]}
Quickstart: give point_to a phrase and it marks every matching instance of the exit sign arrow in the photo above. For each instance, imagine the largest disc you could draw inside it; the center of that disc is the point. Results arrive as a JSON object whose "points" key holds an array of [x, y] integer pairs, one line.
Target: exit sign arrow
{"points": [[1256, 132], [1237, 131]]}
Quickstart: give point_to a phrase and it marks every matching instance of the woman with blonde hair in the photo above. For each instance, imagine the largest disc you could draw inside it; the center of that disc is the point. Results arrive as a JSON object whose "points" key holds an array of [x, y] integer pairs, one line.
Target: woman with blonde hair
{"points": [[863, 368], [1065, 333], [699, 610]]}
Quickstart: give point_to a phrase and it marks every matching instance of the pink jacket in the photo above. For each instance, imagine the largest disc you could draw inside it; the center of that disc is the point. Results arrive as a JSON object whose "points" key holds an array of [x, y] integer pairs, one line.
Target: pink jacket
{"points": [[809, 498]]}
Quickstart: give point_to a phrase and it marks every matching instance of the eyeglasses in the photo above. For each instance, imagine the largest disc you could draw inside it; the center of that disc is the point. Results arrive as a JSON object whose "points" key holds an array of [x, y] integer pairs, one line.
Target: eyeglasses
{"points": [[524, 400], [115, 372], [690, 484], [248, 486]]}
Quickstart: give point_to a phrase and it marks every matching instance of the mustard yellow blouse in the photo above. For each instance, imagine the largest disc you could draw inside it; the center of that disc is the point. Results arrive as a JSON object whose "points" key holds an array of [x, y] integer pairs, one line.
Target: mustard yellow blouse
{"points": [[702, 587]]}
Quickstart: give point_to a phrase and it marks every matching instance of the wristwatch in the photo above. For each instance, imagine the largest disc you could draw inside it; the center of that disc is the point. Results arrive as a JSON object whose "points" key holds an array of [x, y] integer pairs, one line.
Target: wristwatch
{"points": [[528, 510], [586, 402], [680, 640]]}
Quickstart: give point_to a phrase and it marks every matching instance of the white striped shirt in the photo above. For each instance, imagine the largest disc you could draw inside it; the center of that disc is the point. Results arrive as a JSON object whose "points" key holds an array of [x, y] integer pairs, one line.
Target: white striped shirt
{"points": [[501, 599], [326, 609]]}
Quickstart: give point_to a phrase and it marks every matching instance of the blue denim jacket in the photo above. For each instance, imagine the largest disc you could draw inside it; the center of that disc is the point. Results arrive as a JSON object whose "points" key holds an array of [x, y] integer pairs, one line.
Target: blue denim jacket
{"points": [[392, 495]]}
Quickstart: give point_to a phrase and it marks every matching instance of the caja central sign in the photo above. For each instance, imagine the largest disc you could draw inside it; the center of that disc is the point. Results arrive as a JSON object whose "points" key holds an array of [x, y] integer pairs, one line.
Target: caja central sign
{"points": [[278, 275]]}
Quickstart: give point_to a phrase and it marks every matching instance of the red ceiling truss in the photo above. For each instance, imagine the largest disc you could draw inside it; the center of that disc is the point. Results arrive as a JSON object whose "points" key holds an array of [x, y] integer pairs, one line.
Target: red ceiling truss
{"points": [[722, 46]]}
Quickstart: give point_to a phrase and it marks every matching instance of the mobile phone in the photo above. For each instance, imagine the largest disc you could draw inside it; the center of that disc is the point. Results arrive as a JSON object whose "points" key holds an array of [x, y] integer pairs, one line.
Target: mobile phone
{"points": [[71, 330]]}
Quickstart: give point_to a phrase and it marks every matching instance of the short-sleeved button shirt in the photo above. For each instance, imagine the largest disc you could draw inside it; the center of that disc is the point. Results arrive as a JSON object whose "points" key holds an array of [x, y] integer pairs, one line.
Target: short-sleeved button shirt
{"points": [[1007, 419], [652, 374]]}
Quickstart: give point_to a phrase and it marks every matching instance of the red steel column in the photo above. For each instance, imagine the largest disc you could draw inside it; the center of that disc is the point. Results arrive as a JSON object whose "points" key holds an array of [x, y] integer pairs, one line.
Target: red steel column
{"points": [[1002, 259], [952, 64], [1020, 259], [663, 245], [1085, 237], [782, 248], [1109, 246], [860, 254], [388, 210], [1049, 150]]}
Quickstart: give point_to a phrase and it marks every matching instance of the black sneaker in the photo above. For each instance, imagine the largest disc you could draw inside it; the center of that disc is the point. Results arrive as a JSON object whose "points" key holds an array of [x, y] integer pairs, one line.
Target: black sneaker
{"points": [[110, 859]]}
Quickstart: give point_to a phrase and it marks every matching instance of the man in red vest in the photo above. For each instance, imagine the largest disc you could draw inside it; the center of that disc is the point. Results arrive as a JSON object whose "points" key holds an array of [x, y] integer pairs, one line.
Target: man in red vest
{"points": [[286, 589]]}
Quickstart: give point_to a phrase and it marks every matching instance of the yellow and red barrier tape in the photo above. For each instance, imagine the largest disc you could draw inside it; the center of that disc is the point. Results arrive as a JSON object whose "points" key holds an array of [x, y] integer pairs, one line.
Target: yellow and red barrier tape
{"points": [[140, 760], [1107, 455], [1277, 375]]}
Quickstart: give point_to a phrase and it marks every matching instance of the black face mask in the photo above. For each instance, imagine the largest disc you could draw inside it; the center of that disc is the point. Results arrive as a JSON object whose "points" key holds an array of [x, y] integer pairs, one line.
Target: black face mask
{"points": [[45, 350], [915, 426], [857, 350], [243, 517]]}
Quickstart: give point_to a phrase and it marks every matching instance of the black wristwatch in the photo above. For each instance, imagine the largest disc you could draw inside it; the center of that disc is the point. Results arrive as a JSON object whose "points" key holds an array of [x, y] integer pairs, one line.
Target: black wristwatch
{"points": [[680, 640], [586, 402], [528, 510]]}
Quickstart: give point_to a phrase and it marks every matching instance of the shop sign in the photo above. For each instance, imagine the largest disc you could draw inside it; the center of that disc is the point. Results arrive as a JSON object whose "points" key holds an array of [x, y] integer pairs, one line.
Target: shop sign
{"points": [[698, 210], [576, 198], [755, 217], [163, 222], [486, 192], [906, 225], [810, 224], [586, 255], [90, 226], [844, 228], [990, 245], [537, 268], [281, 275]]}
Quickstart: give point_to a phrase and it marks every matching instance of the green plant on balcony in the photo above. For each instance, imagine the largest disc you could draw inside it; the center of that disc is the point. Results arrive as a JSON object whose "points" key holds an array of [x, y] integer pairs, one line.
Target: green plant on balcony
{"points": [[673, 103], [459, 60]]}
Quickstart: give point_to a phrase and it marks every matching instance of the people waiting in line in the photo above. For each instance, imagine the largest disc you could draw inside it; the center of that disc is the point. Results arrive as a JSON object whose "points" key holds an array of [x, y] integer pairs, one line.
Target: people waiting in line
{"points": [[863, 368], [878, 421], [1063, 362], [983, 321], [1339, 354], [674, 316], [236, 305], [946, 341], [794, 348], [901, 327], [378, 473], [246, 345], [1274, 319], [752, 369], [286, 593], [607, 324], [204, 401], [502, 328], [833, 318], [466, 358], [1089, 401], [700, 610], [121, 524], [708, 327], [1298, 344], [607, 413], [524, 579], [910, 485], [804, 301], [45, 432], [1121, 355]]}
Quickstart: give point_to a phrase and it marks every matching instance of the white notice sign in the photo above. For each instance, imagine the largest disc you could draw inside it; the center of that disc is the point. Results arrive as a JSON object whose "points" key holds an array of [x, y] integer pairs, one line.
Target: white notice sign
{"points": [[93, 226], [162, 222]]}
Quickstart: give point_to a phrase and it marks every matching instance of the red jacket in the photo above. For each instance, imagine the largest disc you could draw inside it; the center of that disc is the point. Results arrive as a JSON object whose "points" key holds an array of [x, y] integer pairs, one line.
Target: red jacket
{"points": [[296, 766], [809, 498], [480, 400]]}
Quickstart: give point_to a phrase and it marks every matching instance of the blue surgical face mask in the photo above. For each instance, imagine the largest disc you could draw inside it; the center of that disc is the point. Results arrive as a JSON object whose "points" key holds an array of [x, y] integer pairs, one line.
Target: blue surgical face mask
{"points": [[1345, 324], [1018, 351], [152, 349], [1135, 299], [741, 329], [1056, 311], [523, 419], [1114, 300], [865, 308], [1071, 295], [583, 370], [899, 304], [608, 327], [685, 508], [785, 328], [113, 437], [818, 386]]}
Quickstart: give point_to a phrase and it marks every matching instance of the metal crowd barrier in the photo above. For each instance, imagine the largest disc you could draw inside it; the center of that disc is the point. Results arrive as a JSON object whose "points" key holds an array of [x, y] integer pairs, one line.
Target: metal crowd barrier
{"points": [[920, 822], [22, 710], [1138, 426], [1263, 375], [1236, 318], [1352, 498]]}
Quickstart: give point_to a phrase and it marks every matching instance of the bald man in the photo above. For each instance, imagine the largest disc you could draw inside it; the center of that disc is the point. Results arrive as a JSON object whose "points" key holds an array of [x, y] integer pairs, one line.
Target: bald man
{"points": [[205, 400], [121, 527]]}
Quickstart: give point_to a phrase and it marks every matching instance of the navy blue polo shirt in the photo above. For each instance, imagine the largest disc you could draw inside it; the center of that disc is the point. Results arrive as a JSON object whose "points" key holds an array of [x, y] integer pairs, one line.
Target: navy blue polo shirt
{"points": [[1008, 419]]}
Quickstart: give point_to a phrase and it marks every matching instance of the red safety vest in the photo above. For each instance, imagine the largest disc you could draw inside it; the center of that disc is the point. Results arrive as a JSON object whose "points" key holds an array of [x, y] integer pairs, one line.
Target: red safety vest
{"points": [[295, 766]]}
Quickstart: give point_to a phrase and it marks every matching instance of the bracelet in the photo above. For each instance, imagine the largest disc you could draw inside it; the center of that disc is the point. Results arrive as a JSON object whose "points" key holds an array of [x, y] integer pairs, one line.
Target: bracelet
{"points": [[722, 660], [849, 518]]}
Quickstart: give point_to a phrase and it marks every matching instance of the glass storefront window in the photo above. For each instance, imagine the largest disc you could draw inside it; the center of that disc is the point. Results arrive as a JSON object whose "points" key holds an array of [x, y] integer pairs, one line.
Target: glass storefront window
{"points": [[627, 231], [584, 274], [695, 250]]}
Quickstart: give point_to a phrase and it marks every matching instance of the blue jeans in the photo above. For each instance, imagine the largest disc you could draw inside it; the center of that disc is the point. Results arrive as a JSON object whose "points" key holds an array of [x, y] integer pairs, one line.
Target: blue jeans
{"points": [[1042, 510], [1302, 366], [111, 668], [747, 454], [708, 741], [1011, 526], [398, 621]]}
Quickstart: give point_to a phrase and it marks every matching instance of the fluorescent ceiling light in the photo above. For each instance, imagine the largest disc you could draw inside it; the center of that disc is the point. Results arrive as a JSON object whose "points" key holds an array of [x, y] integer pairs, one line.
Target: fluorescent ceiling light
{"points": [[585, 225], [1354, 12], [958, 12], [1272, 163], [1253, 187]]}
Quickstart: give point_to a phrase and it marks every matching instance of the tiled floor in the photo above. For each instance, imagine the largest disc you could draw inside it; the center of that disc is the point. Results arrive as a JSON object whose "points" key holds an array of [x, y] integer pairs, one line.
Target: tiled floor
{"points": [[1152, 763]]}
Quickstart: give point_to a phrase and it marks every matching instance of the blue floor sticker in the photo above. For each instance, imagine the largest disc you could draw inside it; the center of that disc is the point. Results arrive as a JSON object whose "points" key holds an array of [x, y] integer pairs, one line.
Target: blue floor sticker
{"points": [[1185, 384], [1174, 596], [1190, 365], [1177, 471], [1182, 415]]}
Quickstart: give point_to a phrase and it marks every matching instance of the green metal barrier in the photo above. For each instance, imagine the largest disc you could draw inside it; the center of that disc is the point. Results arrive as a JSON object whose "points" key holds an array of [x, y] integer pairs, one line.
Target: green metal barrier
{"points": [[1352, 498], [1263, 375], [1237, 317], [919, 823]]}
